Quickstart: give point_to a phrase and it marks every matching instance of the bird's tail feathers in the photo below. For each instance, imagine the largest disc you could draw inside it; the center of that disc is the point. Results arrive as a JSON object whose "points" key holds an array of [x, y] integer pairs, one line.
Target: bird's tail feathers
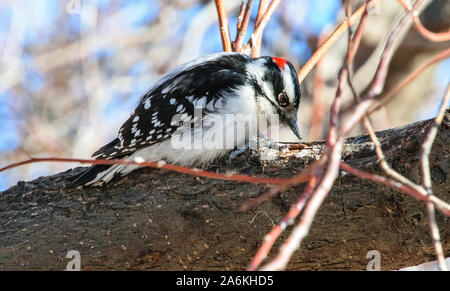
{"points": [[97, 175]]}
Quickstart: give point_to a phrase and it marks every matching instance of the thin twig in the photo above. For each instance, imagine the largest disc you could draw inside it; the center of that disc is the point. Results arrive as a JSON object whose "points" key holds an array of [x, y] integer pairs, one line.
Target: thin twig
{"points": [[303, 72], [271, 237], [163, 165], [263, 22], [353, 45], [333, 151], [430, 137], [441, 205], [426, 178], [380, 76], [431, 36], [243, 27], [256, 50], [223, 24], [240, 16], [302, 228], [305, 175], [356, 39], [385, 98]]}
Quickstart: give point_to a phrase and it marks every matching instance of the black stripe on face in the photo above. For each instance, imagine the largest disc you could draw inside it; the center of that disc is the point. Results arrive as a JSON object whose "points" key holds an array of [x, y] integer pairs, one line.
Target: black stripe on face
{"points": [[260, 92], [274, 77]]}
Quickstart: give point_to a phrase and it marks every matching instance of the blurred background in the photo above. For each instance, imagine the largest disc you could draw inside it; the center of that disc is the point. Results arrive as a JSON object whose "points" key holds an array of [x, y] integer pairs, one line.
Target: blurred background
{"points": [[71, 71]]}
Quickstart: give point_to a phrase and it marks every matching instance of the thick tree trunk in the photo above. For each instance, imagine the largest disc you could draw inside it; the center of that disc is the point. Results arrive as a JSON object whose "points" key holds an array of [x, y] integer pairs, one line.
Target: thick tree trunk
{"points": [[161, 220]]}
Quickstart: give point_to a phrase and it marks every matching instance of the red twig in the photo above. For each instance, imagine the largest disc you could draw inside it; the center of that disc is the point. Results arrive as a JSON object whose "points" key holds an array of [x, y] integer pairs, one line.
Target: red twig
{"points": [[243, 27], [431, 36], [441, 205], [261, 10], [163, 165], [355, 41], [411, 77], [426, 178], [304, 176], [383, 66], [240, 16], [223, 24], [302, 228], [303, 72], [378, 82], [271, 237], [263, 22], [333, 151]]}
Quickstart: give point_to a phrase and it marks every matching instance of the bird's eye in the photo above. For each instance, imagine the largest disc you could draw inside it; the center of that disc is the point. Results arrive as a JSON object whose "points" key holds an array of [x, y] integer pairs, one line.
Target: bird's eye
{"points": [[283, 99]]}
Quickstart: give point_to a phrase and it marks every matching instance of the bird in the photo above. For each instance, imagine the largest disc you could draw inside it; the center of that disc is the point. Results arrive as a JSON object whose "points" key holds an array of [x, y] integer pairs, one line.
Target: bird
{"points": [[194, 104]]}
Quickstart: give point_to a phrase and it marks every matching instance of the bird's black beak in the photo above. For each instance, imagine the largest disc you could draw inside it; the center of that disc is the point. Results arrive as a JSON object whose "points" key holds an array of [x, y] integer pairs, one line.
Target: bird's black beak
{"points": [[292, 122]]}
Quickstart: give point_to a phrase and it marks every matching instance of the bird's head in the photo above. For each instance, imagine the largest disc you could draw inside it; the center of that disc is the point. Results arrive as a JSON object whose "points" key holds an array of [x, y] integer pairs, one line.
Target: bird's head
{"points": [[277, 89]]}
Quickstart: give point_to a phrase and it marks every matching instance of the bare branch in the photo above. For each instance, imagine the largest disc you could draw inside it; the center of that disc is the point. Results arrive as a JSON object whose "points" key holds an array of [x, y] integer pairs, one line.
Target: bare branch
{"points": [[318, 54], [385, 98], [223, 24], [302, 228], [426, 177], [431, 36], [389, 49], [333, 153], [263, 22], [243, 27], [163, 165], [256, 50], [240, 16], [441, 205], [271, 237]]}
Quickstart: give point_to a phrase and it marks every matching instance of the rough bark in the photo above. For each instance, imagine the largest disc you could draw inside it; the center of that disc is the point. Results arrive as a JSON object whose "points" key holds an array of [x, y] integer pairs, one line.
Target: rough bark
{"points": [[159, 220]]}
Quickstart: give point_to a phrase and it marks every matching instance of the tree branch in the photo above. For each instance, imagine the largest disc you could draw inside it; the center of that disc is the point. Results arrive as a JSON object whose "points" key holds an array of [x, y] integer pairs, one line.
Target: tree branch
{"points": [[146, 219]]}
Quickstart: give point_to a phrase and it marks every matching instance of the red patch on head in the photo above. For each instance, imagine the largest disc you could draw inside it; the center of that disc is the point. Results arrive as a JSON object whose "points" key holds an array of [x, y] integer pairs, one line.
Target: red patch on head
{"points": [[281, 63]]}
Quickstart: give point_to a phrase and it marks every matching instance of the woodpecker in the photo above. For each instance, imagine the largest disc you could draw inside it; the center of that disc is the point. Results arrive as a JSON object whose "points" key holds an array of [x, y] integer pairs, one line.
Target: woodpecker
{"points": [[202, 93]]}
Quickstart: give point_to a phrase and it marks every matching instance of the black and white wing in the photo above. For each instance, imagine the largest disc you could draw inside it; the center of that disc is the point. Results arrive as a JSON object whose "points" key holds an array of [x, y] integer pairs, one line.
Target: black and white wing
{"points": [[199, 83]]}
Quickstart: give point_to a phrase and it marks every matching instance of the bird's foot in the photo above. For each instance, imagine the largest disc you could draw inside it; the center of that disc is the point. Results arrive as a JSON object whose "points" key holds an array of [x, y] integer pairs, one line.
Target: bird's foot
{"points": [[238, 152]]}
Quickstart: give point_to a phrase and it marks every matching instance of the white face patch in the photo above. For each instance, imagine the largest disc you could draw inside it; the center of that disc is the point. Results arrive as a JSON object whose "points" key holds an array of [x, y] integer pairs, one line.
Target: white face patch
{"points": [[257, 69], [288, 84]]}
